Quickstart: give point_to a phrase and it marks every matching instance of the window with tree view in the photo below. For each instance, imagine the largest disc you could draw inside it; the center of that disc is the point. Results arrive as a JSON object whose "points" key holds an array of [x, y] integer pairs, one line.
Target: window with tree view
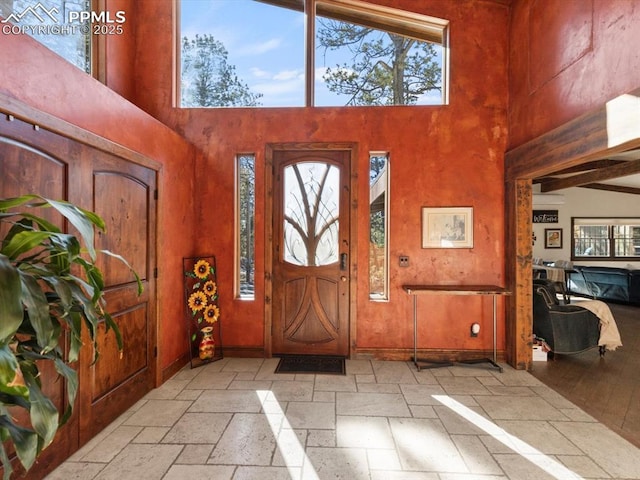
{"points": [[378, 225], [245, 229], [51, 23], [606, 238], [272, 53]]}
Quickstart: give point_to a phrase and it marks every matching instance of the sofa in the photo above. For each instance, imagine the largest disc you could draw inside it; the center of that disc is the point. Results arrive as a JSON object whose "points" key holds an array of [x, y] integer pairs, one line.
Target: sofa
{"points": [[564, 329], [621, 285]]}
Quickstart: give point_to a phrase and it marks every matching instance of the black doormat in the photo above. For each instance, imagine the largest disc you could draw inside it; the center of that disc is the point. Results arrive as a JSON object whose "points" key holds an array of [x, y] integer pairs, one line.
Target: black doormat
{"points": [[311, 364]]}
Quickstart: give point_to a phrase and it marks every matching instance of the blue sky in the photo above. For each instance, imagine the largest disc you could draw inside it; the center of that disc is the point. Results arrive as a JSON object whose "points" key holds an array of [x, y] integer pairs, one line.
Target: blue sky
{"points": [[266, 45]]}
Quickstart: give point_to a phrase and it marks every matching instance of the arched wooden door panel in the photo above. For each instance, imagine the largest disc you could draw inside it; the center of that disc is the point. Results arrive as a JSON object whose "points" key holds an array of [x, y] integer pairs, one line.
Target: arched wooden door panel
{"points": [[123, 195]]}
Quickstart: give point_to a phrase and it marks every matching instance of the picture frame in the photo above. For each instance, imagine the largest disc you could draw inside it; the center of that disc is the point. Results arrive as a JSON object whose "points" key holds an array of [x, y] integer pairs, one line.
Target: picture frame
{"points": [[447, 227], [552, 238]]}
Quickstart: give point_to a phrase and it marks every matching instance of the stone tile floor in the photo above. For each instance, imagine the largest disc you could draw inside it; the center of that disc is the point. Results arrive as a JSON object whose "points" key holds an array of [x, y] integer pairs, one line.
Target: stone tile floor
{"points": [[236, 420]]}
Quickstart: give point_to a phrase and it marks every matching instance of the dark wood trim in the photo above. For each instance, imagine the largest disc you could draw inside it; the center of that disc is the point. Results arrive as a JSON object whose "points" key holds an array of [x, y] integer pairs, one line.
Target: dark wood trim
{"points": [[13, 108], [174, 368], [405, 355], [612, 188], [585, 139], [268, 241], [240, 351], [594, 176]]}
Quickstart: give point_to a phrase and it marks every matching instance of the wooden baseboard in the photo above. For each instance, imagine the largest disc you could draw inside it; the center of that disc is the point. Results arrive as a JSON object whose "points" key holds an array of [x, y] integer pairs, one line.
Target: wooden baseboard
{"points": [[391, 354], [175, 367], [243, 352], [404, 354]]}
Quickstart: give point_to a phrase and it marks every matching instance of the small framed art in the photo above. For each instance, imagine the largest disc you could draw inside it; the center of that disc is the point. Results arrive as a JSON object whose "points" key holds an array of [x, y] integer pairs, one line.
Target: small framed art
{"points": [[447, 227], [552, 238]]}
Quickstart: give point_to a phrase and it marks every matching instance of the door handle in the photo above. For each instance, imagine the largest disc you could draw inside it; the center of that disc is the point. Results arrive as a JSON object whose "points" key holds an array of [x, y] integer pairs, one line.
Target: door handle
{"points": [[343, 261]]}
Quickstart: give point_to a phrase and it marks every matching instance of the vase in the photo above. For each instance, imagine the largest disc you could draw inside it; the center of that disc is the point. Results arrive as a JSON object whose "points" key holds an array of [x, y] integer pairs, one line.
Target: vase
{"points": [[207, 344]]}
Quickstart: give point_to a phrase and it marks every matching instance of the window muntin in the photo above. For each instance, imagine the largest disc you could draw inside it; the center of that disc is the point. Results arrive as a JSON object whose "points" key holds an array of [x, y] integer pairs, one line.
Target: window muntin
{"points": [[245, 226], [378, 226], [49, 22], [605, 238], [267, 54]]}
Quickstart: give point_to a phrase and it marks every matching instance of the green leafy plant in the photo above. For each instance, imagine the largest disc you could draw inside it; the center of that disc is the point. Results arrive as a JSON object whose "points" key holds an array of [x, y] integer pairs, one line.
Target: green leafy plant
{"points": [[49, 286]]}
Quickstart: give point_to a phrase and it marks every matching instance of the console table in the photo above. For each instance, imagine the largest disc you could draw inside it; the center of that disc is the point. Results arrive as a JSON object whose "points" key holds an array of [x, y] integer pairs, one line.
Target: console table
{"points": [[416, 290]]}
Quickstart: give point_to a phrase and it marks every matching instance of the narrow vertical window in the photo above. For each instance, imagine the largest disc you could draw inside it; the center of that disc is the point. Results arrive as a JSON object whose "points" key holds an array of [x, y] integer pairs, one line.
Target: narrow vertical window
{"points": [[378, 226], [245, 230]]}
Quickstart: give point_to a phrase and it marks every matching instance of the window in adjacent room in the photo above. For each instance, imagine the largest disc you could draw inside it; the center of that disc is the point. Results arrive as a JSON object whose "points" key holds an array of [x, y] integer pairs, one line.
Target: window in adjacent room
{"points": [[245, 228], [378, 225], [606, 238], [271, 53], [54, 23]]}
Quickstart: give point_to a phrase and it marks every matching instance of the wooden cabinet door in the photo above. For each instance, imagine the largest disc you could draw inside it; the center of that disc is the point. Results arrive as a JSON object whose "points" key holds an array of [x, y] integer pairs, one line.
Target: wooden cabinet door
{"points": [[123, 195]]}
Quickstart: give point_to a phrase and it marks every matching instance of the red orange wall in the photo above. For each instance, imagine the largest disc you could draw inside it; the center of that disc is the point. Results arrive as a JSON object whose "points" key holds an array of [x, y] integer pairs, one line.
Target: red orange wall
{"points": [[568, 57], [440, 156], [33, 75]]}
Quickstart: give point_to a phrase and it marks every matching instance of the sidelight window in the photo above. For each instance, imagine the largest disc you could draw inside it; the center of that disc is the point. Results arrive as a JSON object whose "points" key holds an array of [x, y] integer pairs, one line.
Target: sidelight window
{"points": [[245, 225], [378, 226]]}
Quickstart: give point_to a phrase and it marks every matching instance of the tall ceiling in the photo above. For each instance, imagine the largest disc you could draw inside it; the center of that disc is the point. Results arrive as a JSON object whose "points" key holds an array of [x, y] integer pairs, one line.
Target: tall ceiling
{"points": [[615, 173]]}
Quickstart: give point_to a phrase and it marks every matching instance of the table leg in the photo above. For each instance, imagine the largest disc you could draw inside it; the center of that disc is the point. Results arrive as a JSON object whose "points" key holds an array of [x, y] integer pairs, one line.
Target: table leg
{"points": [[494, 360], [421, 363]]}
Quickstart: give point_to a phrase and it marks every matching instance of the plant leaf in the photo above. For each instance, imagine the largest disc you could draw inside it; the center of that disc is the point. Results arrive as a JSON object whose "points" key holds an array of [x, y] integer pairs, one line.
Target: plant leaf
{"points": [[11, 311], [6, 203], [25, 441], [4, 458], [44, 414], [23, 242], [123, 260], [82, 220], [11, 379], [36, 303], [71, 377]]}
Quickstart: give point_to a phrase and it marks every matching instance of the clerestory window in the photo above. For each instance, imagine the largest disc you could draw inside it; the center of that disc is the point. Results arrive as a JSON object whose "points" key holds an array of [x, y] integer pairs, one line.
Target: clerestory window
{"points": [[277, 53], [64, 26]]}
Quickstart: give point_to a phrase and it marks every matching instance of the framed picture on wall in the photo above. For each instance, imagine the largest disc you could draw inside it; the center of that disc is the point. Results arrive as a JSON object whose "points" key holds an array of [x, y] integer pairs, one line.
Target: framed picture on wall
{"points": [[552, 238], [447, 227]]}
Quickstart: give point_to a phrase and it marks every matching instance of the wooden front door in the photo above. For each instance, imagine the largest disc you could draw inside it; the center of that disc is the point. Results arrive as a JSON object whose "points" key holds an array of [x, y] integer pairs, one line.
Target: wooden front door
{"points": [[311, 252]]}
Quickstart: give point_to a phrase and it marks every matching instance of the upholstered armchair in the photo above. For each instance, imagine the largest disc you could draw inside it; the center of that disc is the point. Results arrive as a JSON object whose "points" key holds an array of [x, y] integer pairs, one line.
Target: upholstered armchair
{"points": [[566, 329]]}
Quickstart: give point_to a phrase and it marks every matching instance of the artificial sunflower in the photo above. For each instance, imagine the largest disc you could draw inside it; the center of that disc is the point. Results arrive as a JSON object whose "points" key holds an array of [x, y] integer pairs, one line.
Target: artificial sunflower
{"points": [[211, 314], [210, 288], [197, 301], [201, 269]]}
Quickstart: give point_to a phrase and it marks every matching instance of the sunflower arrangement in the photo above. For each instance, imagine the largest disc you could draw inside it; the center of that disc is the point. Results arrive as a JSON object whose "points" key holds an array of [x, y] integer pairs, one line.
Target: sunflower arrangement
{"points": [[202, 297]]}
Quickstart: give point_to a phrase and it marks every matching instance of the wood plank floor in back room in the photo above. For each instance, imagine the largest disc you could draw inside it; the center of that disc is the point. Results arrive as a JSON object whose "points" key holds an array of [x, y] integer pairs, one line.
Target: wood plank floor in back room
{"points": [[607, 388]]}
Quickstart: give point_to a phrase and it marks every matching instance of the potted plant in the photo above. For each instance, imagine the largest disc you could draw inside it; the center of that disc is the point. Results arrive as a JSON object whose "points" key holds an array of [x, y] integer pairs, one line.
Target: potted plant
{"points": [[49, 286]]}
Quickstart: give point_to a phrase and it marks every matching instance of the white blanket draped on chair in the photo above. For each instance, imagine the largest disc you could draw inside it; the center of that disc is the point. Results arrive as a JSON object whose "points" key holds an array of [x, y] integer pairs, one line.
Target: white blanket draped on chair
{"points": [[609, 334]]}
